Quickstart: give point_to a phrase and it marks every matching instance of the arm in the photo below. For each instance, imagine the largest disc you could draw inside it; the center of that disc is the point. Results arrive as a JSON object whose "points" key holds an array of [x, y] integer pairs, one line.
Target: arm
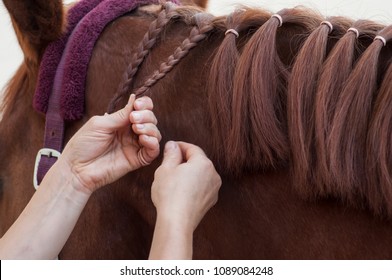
{"points": [[47, 221], [185, 187]]}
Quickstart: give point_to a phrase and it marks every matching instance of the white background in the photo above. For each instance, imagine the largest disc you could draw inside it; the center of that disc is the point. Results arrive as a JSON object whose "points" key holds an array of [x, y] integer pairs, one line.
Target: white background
{"points": [[379, 10]]}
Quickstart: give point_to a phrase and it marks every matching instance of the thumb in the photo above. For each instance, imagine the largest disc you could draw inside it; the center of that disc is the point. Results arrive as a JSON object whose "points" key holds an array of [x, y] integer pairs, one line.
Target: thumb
{"points": [[120, 118], [172, 155]]}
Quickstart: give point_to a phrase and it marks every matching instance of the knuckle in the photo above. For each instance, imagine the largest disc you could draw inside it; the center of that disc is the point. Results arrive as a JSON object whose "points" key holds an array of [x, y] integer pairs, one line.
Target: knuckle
{"points": [[218, 181], [208, 164], [159, 136]]}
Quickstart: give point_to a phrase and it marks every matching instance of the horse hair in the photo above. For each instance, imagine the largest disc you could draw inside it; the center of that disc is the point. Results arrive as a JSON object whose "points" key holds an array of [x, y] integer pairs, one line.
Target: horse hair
{"points": [[379, 149], [301, 99], [259, 94], [333, 77], [142, 50], [220, 85], [198, 33], [347, 140]]}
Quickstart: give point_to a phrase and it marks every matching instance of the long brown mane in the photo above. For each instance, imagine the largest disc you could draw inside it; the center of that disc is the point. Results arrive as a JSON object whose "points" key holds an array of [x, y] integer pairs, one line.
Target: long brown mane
{"points": [[311, 109]]}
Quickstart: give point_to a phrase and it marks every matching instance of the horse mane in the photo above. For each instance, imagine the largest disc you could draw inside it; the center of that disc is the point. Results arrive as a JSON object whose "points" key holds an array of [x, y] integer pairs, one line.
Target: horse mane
{"points": [[307, 101], [341, 59], [298, 96], [169, 14], [19, 84], [301, 98]]}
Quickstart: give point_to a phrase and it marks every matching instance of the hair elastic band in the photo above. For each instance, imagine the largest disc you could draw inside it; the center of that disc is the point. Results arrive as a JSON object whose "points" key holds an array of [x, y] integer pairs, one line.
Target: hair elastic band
{"points": [[233, 31], [382, 39], [279, 18], [354, 30], [329, 24]]}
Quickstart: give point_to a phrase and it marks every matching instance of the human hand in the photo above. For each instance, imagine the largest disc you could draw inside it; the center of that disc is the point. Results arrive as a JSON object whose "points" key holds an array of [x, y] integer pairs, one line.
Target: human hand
{"points": [[106, 148], [186, 185]]}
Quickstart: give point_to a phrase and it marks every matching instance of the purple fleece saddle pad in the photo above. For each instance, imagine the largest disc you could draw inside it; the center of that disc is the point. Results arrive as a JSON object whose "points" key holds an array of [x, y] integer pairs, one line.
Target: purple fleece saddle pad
{"points": [[86, 20]]}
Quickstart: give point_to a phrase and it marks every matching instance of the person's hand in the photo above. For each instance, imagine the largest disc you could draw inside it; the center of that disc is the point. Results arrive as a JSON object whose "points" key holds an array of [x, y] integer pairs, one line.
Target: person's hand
{"points": [[106, 148], [185, 186]]}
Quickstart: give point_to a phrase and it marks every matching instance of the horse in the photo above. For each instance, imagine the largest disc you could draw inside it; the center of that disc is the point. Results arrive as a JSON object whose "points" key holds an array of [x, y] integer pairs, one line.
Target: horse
{"points": [[291, 107]]}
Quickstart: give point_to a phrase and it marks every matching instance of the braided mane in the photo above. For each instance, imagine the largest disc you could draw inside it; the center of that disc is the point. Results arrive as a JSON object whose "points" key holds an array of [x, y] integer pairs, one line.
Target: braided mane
{"points": [[303, 96]]}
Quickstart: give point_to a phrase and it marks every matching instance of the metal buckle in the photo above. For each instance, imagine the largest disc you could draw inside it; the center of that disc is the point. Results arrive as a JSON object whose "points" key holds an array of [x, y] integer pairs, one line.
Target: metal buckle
{"points": [[43, 152]]}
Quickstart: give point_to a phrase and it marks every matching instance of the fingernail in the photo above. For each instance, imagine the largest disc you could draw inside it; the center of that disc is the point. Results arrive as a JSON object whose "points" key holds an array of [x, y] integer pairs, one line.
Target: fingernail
{"points": [[136, 116], [139, 126], [171, 145], [130, 97], [138, 103]]}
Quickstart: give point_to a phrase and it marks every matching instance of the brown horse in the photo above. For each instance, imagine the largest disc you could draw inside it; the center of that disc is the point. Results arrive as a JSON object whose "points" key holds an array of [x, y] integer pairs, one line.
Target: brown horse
{"points": [[294, 113]]}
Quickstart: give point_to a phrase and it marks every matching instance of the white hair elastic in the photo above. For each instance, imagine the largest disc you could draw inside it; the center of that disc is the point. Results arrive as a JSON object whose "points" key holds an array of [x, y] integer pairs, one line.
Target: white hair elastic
{"points": [[329, 24], [232, 31], [354, 30], [382, 39], [279, 18]]}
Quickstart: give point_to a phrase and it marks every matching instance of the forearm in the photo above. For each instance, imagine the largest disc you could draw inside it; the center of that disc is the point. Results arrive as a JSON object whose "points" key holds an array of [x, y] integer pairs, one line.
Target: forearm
{"points": [[44, 226], [171, 241]]}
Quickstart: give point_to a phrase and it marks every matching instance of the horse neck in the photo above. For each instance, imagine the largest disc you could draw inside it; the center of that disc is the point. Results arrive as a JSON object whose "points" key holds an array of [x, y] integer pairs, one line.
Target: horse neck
{"points": [[186, 85]]}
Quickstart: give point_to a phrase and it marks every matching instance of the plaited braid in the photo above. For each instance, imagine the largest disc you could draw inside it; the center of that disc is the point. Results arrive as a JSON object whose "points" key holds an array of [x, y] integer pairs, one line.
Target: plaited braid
{"points": [[143, 49], [197, 34]]}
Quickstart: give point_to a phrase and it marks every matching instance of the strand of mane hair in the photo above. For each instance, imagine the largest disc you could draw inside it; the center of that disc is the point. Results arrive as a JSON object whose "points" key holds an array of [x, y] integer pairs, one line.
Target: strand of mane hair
{"points": [[347, 140], [202, 26], [16, 87], [379, 149], [334, 75], [220, 83], [143, 49], [301, 100], [259, 92]]}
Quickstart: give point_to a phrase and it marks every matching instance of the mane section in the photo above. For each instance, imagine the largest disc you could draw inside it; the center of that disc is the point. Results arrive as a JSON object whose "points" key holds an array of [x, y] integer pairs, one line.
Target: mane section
{"points": [[348, 138], [379, 149], [301, 98], [220, 83], [259, 94], [333, 77], [142, 51]]}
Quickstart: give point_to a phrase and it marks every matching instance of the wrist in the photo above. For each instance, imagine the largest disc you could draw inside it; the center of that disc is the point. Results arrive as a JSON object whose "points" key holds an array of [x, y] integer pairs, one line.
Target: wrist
{"points": [[62, 174], [174, 224], [172, 239]]}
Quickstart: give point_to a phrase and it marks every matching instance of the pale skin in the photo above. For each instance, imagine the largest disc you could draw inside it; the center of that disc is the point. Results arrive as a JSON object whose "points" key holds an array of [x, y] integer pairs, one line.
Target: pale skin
{"points": [[186, 186], [123, 141]]}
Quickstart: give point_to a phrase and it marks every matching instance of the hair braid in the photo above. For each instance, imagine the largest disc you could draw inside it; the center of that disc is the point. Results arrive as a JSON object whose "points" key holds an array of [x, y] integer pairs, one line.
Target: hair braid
{"points": [[143, 49], [197, 34]]}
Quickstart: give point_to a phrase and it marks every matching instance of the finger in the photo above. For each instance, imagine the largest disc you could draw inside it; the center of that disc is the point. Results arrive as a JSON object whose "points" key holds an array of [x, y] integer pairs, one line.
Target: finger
{"points": [[172, 155], [148, 129], [120, 118], [145, 116], [143, 103], [149, 150], [190, 151]]}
